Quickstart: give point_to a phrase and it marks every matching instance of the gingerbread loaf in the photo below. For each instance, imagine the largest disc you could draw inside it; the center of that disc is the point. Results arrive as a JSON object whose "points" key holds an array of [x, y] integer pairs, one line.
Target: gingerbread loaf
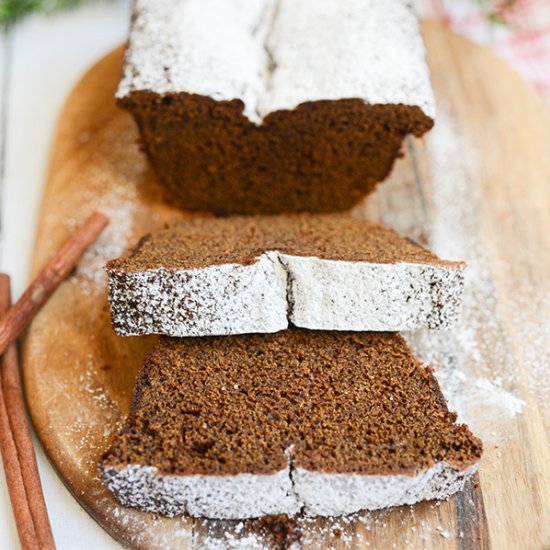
{"points": [[320, 422], [270, 106], [219, 276]]}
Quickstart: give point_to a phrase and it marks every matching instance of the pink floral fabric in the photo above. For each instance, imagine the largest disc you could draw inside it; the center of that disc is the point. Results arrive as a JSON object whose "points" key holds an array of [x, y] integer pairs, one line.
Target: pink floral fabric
{"points": [[517, 30]]}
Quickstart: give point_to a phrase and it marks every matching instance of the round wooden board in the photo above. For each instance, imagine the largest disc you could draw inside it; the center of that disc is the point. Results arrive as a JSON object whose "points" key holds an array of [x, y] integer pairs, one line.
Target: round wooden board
{"points": [[79, 375]]}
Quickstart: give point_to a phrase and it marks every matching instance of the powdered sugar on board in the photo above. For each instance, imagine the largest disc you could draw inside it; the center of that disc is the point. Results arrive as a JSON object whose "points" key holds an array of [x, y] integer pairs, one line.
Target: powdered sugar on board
{"points": [[352, 531], [472, 360], [119, 208], [116, 181]]}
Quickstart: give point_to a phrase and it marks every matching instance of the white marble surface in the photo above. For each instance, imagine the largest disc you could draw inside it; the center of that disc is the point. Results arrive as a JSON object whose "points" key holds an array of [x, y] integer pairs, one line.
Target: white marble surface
{"points": [[40, 61]]}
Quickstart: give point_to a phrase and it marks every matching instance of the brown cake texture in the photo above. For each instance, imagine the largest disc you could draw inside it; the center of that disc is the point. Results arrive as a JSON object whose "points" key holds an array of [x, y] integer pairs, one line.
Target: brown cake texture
{"points": [[323, 156], [205, 241], [341, 407]]}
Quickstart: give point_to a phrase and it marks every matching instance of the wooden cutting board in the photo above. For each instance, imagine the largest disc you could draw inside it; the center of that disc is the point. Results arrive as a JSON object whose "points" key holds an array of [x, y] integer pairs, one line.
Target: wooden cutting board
{"points": [[79, 375]]}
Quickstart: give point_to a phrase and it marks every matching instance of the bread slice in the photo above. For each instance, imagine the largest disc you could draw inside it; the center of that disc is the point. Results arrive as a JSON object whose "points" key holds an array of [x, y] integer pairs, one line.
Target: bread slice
{"points": [[219, 276], [324, 422], [270, 106]]}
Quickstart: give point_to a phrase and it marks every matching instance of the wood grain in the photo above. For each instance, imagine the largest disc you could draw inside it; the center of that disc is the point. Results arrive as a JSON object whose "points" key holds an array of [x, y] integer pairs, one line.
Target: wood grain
{"points": [[79, 376]]}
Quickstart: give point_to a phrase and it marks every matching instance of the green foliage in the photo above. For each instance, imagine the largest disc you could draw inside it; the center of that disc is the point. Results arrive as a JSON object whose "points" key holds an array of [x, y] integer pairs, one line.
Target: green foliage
{"points": [[495, 10], [13, 10]]}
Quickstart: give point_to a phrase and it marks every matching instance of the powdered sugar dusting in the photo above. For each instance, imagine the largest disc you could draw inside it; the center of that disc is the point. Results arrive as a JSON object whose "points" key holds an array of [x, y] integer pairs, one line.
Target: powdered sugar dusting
{"points": [[310, 292], [534, 335], [277, 54], [480, 402], [287, 491], [359, 530], [120, 209], [111, 182]]}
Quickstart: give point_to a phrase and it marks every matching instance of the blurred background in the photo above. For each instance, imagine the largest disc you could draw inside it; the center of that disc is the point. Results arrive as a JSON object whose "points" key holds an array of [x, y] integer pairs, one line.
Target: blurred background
{"points": [[518, 30]]}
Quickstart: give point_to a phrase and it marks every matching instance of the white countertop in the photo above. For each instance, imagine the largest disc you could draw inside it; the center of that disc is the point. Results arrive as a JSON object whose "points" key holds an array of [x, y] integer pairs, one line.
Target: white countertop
{"points": [[40, 61]]}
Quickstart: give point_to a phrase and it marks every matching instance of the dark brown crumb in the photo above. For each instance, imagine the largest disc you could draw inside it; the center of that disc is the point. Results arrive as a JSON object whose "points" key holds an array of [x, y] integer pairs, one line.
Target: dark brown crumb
{"points": [[342, 402], [201, 242], [323, 156], [281, 531]]}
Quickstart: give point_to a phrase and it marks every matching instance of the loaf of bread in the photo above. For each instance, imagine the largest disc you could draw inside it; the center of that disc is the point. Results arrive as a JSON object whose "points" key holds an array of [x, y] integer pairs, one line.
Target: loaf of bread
{"points": [[218, 276], [323, 422], [269, 106]]}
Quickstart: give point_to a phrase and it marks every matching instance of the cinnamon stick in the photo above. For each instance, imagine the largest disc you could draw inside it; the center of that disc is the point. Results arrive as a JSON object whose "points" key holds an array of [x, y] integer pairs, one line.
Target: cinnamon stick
{"points": [[21, 470], [20, 315]]}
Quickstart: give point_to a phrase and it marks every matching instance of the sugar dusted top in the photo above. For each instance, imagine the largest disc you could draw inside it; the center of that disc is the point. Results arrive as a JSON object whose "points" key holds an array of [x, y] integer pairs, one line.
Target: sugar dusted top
{"points": [[277, 54]]}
